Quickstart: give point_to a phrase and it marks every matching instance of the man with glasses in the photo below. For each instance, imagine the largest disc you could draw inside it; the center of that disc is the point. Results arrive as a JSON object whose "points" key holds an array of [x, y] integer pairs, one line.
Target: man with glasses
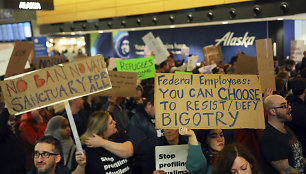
{"points": [[281, 152], [47, 157]]}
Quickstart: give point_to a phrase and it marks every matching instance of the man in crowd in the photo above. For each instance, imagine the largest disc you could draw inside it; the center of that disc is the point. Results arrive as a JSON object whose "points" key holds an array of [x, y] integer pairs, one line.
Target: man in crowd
{"points": [[142, 133], [47, 158], [298, 104], [281, 152]]}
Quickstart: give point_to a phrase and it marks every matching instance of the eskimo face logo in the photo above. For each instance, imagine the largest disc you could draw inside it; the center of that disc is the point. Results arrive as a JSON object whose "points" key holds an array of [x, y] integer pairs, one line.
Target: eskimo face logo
{"points": [[122, 45], [229, 40]]}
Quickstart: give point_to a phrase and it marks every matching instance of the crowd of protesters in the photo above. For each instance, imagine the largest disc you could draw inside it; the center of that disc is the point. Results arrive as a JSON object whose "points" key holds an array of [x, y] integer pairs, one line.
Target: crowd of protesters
{"points": [[118, 134]]}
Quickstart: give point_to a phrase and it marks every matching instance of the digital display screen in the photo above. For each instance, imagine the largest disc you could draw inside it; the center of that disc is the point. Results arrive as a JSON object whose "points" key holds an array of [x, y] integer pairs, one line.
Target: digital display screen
{"points": [[15, 32]]}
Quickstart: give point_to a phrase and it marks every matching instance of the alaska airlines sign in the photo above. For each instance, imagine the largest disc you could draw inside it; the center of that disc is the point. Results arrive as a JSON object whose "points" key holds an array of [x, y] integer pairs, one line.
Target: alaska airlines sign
{"points": [[29, 4], [230, 40]]}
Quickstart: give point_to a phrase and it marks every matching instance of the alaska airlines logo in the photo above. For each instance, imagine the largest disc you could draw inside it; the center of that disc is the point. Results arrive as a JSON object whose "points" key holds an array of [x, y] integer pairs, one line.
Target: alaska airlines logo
{"points": [[229, 40]]}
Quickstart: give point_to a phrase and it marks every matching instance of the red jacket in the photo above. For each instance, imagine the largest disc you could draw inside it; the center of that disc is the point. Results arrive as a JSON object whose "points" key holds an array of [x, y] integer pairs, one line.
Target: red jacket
{"points": [[30, 130]]}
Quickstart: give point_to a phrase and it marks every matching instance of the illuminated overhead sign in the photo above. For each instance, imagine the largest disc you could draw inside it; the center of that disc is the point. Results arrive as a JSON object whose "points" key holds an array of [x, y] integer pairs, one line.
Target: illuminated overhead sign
{"points": [[29, 4]]}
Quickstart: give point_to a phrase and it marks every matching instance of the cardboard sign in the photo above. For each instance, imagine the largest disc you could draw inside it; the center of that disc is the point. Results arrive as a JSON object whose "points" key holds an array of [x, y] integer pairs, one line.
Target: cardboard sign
{"points": [[192, 62], [246, 65], [265, 63], [171, 159], [210, 101], [5, 58], [297, 49], [144, 67], [55, 84], [157, 47], [43, 62], [213, 54], [112, 63], [19, 58], [123, 84]]}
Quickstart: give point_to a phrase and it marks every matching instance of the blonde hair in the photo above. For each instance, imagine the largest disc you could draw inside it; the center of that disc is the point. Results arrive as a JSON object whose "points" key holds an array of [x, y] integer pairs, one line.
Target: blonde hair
{"points": [[97, 123]]}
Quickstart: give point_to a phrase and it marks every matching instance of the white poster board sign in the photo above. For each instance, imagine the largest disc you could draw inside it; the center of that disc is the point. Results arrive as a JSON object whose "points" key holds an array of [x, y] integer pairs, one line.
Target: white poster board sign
{"points": [[207, 69], [192, 62], [157, 47], [297, 49], [171, 159]]}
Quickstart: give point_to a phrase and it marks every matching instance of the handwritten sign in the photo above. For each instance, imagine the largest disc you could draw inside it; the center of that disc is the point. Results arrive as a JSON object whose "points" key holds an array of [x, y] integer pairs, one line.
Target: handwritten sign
{"points": [[213, 54], [144, 67], [43, 62], [19, 58], [265, 63], [297, 49], [55, 84], [156, 46], [192, 62], [171, 159], [208, 101], [123, 84], [207, 69], [182, 72]]}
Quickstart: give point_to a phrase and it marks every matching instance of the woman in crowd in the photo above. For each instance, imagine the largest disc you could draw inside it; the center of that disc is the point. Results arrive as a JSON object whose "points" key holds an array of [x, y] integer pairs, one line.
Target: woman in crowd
{"points": [[202, 161], [236, 159], [106, 150], [59, 128]]}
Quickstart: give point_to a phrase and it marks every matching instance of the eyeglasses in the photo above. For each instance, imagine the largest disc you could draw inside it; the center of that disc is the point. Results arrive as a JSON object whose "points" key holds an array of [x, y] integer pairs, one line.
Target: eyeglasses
{"points": [[45, 155], [285, 106]]}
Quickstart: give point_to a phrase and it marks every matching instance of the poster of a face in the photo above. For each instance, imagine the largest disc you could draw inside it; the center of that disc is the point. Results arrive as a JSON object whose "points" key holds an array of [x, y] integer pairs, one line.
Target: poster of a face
{"points": [[121, 44]]}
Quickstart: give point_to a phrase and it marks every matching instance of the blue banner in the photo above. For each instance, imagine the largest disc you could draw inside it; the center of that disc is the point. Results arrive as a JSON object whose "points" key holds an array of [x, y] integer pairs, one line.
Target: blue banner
{"points": [[121, 44], [101, 44], [232, 38], [40, 47]]}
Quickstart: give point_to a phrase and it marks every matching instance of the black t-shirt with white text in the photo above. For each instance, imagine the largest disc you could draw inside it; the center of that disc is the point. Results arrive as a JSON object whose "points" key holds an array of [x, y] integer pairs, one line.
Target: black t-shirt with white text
{"points": [[100, 160], [275, 146]]}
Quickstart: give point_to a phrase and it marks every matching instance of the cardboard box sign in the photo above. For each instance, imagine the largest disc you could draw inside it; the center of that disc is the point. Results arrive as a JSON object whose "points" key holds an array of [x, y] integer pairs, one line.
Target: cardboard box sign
{"points": [[213, 54], [246, 65], [210, 101], [43, 62], [123, 84], [19, 58], [265, 63], [55, 84]]}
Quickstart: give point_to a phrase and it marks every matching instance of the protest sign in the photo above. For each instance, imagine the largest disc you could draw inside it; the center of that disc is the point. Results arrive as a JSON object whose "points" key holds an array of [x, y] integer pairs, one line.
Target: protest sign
{"points": [[5, 58], [297, 49], [123, 84], [144, 67], [19, 58], [112, 63], [213, 54], [157, 47], [43, 62], [246, 65], [171, 159], [192, 62], [210, 101], [207, 69], [55, 84], [265, 63], [185, 50], [182, 72]]}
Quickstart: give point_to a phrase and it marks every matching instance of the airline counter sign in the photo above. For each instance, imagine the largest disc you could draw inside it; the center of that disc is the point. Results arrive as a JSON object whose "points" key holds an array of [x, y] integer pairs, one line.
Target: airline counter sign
{"points": [[230, 40]]}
